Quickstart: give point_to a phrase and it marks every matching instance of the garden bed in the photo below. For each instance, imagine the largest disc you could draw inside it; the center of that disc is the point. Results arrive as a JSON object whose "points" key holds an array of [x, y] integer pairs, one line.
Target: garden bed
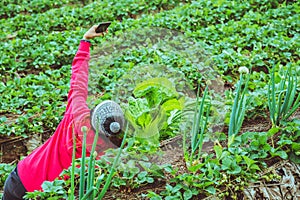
{"points": [[257, 36], [287, 187]]}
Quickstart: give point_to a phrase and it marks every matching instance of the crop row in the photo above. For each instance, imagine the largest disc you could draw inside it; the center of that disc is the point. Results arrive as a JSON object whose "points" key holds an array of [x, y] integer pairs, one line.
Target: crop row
{"points": [[39, 99], [205, 24], [70, 17], [45, 39], [33, 103], [10, 8], [236, 35]]}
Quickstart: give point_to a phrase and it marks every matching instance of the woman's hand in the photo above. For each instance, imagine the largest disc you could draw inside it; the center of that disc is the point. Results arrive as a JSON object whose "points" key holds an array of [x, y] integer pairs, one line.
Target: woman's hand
{"points": [[91, 33]]}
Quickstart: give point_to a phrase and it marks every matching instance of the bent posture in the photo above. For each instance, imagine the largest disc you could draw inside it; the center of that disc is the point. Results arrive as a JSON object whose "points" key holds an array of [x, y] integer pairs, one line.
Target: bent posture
{"points": [[47, 161]]}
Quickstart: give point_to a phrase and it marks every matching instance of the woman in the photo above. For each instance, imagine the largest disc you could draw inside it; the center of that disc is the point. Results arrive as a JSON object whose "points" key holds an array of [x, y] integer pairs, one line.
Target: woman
{"points": [[49, 160]]}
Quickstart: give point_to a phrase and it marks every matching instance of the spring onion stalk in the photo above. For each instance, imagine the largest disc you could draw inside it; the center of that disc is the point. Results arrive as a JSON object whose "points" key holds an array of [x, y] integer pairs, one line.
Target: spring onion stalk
{"points": [[82, 166], [112, 169], [91, 166], [88, 194], [195, 123], [292, 106], [199, 125], [239, 107], [203, 128], [284, 100], [198, 128], [272, 98], [187, 154], [184, 146], [72, 197]]}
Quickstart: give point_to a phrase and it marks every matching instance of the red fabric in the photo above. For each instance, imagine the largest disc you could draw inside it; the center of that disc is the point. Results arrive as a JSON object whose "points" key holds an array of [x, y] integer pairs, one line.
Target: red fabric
{"points": [[48, 161]]}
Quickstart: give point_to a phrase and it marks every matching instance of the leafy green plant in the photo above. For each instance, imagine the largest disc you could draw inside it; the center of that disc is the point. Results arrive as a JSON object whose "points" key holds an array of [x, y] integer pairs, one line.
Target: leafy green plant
{"points": [[228, 170], [11, 9], [22, 30], [36, 104], [284, 97], [51, 190], [153, 101], [238, 34], [290, 140], [22, 62], [5, 170]]}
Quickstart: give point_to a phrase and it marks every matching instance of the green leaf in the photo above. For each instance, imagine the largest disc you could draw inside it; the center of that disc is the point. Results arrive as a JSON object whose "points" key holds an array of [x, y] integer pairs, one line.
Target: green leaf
{"points": [[218, 149], [169, 169], [142, 174], [248, 161], [281, 154], [283, 142], [236, 170], [176, 188], [211, 190], [296, 146], [172, 104], [255, 166], [144, 120], [273, 131], [156, 90], [187, 194], [195, 168], [226, 163], [150, 180]]}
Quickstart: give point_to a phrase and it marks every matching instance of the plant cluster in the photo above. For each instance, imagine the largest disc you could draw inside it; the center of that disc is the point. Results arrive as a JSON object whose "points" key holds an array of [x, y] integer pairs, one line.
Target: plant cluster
{"points": [[261, 35], [224, 172], [36, 57], [10, 9], [284, 97], [228, 170], [149, 111], [238, 34], [126, 168], [5, 169]]}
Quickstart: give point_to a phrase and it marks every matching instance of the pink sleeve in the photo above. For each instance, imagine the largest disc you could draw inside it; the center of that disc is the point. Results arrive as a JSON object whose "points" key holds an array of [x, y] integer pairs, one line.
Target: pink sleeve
{"points": [[79, 80], [77, 108]]}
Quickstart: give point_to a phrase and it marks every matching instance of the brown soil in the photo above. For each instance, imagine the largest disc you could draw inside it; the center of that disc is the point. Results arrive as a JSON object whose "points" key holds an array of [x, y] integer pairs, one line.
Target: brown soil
{"points": [[13, 148]]}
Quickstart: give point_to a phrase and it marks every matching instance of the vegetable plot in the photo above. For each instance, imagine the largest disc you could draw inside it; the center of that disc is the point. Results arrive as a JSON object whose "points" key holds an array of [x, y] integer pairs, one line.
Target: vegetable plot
{"points": [[210, 91]]}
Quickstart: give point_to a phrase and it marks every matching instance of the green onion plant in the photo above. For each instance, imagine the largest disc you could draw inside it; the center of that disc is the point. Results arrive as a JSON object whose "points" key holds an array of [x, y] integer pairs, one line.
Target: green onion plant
{"points": [[88, 189], [283, 98], [239, 107], [82, 166], [200, 121], [113, 167], [72, 189]]}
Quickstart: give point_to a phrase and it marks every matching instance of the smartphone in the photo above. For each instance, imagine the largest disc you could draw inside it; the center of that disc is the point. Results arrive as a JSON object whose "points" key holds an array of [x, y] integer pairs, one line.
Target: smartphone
{"points": [[102, 27]]}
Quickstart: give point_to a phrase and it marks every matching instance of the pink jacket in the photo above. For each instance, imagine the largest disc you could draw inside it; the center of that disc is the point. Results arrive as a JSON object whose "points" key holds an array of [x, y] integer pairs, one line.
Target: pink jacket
{"points": [[47, 161]]}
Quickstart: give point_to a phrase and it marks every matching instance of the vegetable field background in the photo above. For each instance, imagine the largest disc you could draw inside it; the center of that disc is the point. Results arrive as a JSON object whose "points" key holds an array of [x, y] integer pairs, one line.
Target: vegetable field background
{"points": [[253, 45]]}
